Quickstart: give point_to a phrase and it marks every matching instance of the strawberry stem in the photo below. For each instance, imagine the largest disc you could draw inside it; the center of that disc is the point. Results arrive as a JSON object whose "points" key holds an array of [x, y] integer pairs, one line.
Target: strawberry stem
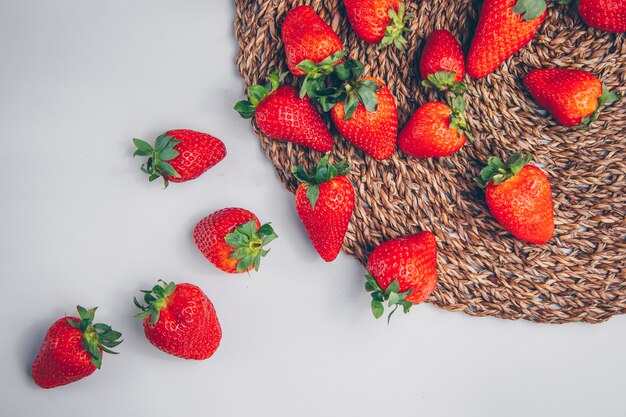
{"points": [[498, 172], [391, 295], [397, 28], [607, 98], [97, 336], [257, 93], [444, 81], [324, 172], [247, 244], [157, 164], [155, 300]]}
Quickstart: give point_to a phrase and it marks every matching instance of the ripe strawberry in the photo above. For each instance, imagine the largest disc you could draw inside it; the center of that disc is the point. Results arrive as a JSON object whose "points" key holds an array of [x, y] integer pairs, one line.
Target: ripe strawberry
{"points": [[403, 271], [233, 239], [608, 15], [363, 110], [442, 64], [379, 21], [180, 320], [573, 97], [309, 39], [325, 202], [519, 197], [72, 349], [282, 115], [180, 155], [436, 129], [504, 27]]}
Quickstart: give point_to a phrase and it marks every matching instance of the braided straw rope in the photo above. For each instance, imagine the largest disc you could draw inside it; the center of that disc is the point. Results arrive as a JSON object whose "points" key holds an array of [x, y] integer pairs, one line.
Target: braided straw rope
{"points": [[581, 274]]}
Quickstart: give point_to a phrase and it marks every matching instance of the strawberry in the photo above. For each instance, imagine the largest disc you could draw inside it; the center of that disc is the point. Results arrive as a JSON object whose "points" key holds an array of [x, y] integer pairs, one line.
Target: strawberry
{"points": [[519, 197], [442, 64], [180, 320], [72, 349], [607, 15], [436, 129], [504, 27], [325, 202], [573, 97], [363, 110], [311, 46], [233, 239], [379, 21], [180, 155], [403, 272], [282, 115]]}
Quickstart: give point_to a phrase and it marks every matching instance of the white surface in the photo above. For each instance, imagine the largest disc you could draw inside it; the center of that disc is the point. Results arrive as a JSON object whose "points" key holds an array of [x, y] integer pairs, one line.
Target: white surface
{"points": [[81, 225]]}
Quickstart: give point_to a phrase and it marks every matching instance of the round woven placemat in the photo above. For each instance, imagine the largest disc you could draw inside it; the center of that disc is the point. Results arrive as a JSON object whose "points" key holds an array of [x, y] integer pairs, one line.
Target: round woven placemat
{"points": [[581, 274]]}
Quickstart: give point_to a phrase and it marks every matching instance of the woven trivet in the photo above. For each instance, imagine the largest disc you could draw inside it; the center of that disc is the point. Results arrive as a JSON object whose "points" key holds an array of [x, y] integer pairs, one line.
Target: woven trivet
{"points": [[581, 274]]}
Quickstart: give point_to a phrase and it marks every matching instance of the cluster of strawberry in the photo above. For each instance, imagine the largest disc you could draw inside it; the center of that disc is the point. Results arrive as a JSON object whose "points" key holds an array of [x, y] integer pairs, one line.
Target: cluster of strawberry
{"points": [[180, 320]]}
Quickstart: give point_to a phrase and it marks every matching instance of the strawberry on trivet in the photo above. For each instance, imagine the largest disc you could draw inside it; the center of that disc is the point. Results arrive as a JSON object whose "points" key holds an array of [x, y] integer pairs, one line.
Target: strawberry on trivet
{"points": [[519, 197], [180, 155], [504, 27], [282, 115], [180, 320], [232, 239], [436, 129], [72, 349], [379, 21], [325, 202], [312, 48], [442, 64], [608, 15], [363, 110], [403, 272], [573, 97]]}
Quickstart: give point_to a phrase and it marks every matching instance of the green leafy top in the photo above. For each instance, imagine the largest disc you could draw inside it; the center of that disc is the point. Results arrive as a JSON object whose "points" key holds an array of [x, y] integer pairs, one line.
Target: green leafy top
{"points": [[530, 9], [316, 74], [155, 300], [95, 336], [353, 90], [444, 81], [607, 98], [392, 295], [457, 119], [248, 244], [394, 34], [325, 172], [158, 157], [498, 171], [257, 93]]}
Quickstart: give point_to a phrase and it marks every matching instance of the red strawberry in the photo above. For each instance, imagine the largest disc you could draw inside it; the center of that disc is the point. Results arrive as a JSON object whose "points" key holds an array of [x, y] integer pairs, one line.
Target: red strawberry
{"points": [[72, 349], [325, 202], [363, 110], [519, 198], [180, 155], [608, 15], [233, 239], [435, 129], [573, 97], [379, 21], [180, 320], [282, 115], [442, 64], [403, 272], [504, 27], [308, 38]]}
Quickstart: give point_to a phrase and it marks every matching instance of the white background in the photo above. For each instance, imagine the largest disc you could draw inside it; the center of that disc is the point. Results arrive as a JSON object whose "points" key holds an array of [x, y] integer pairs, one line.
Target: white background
{"points": [[81, 225]]}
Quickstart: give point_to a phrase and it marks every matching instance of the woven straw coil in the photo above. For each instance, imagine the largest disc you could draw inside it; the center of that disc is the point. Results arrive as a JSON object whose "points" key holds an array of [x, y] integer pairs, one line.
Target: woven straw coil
{"points": [[483, 271]]}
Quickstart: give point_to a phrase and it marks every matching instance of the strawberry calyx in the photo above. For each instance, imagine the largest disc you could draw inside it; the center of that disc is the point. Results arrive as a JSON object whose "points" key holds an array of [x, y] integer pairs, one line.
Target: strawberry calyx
{"points": [[457, 118], [397, 28], [607, 98], [352, 91], [248, 244], [155, 300], [444, 81], [498, 172], [391, 295], [530, 9], [257, 93], [315, 78], [96, 337], [157, 164], [324, 172]]}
